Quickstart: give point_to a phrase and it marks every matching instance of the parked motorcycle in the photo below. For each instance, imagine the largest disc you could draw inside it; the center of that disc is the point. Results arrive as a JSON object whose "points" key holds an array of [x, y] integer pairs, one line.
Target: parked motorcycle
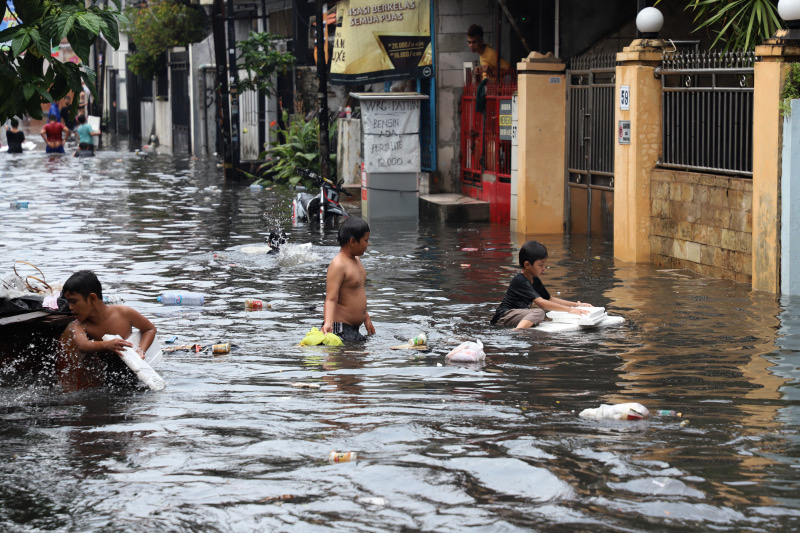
{"points": [[322, 206]]}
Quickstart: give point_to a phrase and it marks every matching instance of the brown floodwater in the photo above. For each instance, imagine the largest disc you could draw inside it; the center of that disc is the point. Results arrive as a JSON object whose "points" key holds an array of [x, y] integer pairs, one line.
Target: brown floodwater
{"points": [[232, 445]]}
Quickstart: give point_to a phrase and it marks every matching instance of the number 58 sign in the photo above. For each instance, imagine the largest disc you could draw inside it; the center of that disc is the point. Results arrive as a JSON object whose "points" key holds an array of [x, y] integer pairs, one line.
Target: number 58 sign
{"points": [[625, 97]]}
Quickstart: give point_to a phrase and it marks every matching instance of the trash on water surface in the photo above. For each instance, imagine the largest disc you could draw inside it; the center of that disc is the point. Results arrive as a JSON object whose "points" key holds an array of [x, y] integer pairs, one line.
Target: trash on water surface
{"points": [[620, 411], [469, 249], [19, 205], [668, 413], [221, 348], [316, 337], [171, 340], [467, 352], [341, 457], [465, 265], [181, 298], [419, 340], [256, 305], [305, 385], [373, 501]]}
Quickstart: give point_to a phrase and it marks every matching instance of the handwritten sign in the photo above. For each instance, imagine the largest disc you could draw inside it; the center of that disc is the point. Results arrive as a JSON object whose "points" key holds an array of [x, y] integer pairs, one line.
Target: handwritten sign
{"points": [[391, 135]]}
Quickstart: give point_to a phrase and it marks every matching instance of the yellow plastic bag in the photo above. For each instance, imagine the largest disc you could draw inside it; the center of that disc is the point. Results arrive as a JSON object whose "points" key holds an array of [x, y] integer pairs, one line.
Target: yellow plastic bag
{"points": [[315, 337]]}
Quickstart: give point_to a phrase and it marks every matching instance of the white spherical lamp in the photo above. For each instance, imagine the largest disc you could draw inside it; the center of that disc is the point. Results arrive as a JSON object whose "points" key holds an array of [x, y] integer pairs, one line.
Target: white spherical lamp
{"points": [[649, 22], [789, 10]]}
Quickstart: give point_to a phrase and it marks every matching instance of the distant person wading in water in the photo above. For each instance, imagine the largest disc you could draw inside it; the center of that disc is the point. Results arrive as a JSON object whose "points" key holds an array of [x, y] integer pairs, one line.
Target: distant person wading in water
{"points": [[52, 135], [14, 137]]}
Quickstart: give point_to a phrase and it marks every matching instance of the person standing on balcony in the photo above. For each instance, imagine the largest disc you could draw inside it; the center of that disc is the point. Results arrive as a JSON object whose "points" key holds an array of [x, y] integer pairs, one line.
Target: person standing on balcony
{"points": [[488, 55]]}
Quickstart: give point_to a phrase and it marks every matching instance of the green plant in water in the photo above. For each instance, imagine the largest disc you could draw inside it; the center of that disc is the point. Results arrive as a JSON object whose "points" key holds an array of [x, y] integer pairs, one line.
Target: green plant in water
{"points": [[791, 90], [299, 149]]}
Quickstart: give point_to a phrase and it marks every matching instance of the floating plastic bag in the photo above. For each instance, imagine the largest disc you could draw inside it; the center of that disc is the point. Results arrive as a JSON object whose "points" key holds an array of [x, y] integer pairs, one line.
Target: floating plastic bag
{"points": [[467, 352], [316, 337], [621, 411]]}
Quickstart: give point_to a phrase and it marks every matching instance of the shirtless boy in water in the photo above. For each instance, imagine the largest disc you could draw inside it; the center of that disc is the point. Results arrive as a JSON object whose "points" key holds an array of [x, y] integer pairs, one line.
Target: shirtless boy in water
{"points": [[345, 297], [86, 357]]}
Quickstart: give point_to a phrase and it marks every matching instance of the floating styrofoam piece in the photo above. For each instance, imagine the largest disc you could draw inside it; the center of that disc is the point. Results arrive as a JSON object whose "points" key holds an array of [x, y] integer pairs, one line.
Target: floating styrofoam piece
{"points": [[563, 327], [620, 411], [142, 367], [594, 316]]}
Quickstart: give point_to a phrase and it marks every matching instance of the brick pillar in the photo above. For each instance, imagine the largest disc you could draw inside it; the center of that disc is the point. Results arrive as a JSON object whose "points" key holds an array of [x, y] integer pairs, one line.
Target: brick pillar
{"points": [[633, 162], [770, 75], [541, 121]]}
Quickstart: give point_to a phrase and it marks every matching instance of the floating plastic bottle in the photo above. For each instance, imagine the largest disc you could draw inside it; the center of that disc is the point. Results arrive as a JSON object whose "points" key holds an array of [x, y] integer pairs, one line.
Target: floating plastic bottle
{"points": [[342, 457], [255, 305], [420, 340], [182, 298], [19, 205], [668, 412], [221, 348], [348, 112], [112, 299]]}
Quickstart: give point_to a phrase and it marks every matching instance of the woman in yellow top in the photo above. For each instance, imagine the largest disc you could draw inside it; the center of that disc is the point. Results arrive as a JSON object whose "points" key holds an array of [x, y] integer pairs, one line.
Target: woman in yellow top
{"points": [[487, 54]]}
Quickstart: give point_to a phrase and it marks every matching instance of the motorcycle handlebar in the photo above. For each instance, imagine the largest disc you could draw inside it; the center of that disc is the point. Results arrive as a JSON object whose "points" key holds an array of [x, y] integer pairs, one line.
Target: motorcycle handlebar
{"points": [[320, 180]]}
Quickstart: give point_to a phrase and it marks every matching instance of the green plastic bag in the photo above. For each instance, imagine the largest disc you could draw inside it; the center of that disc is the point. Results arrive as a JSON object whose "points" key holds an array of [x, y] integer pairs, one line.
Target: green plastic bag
{"points": [[315, 337]]}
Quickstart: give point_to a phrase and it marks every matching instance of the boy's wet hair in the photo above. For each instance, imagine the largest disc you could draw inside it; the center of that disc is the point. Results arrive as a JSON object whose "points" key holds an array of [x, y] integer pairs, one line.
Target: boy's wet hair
{"points": [[353, 228], [14, 123], [83, 282], [531, 251], [81, 119], [475, 31], [51, 116]]}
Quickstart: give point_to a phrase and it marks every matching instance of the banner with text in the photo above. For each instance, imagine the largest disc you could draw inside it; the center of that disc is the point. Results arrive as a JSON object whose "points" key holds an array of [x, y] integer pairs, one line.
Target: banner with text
{"points": [[381, 41]]}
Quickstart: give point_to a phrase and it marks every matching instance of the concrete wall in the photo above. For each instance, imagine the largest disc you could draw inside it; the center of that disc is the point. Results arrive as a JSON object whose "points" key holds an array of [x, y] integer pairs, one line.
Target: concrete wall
{"points": [[702, 222], [452, 18]]}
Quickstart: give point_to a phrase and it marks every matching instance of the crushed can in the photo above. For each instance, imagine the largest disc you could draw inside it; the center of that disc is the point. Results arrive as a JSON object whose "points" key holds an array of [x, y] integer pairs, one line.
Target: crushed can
{"points": [[221, 348], [341, 457]]}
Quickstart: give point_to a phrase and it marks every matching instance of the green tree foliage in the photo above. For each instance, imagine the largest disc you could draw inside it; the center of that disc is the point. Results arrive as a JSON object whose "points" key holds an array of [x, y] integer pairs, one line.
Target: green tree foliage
{"points": [[736, 24], [300, 149], [158, 25], [261, 59], [29, 77]]}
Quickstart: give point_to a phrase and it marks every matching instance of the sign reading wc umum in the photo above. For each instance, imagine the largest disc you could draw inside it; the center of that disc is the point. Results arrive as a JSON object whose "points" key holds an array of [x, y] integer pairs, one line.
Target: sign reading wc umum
{"points": [[381, 41]]}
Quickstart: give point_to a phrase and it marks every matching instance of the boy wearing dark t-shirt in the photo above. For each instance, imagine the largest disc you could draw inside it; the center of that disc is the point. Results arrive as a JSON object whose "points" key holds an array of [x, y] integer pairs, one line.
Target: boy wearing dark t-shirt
{"points": [[517, 309]]}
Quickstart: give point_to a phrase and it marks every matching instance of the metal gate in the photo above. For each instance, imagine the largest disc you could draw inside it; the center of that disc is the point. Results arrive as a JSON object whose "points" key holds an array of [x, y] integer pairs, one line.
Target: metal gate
{"points": [[179, 98], [590, 145]]}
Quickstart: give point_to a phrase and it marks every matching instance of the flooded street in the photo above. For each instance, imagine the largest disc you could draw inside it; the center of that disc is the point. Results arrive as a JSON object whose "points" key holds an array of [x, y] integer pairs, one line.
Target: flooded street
{"points": [[231, 445]]}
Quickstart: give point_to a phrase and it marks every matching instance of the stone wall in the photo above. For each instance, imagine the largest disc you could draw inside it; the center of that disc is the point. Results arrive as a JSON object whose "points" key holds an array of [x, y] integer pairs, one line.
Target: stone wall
{"points": [[702, 222]]}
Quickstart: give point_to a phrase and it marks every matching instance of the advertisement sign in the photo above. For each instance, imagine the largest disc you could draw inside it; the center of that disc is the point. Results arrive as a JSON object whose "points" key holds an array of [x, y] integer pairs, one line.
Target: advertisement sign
{"points": [[381, 41], [9, 21], [505, 120]]}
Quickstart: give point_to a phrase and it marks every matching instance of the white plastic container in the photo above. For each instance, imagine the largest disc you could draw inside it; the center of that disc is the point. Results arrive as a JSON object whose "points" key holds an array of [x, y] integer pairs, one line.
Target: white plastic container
{"points": [[139, 366]]}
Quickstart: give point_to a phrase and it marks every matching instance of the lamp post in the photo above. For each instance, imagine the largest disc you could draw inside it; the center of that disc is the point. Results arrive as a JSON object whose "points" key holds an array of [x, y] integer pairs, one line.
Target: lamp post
{"points": [[649, 22], [789, 10]]}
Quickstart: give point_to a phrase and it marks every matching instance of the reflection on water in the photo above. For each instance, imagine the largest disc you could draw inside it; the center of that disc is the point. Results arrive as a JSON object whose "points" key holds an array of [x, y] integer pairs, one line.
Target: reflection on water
{"points": [[231, 445]]}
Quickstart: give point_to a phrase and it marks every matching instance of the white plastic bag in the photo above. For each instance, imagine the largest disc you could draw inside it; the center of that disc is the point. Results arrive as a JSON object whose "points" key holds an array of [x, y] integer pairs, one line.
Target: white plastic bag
{"points": [[620, 411], [467, 352]]}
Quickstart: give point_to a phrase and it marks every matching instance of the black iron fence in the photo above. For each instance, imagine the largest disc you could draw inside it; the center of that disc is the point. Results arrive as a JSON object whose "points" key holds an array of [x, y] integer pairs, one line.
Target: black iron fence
{"points": [[708, 111]]}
